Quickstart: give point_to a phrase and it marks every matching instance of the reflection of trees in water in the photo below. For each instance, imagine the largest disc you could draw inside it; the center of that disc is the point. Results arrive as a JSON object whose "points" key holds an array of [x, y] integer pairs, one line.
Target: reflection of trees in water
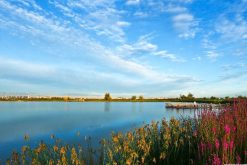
{"points": [[107, 107], [140, 106], [133, 106]]}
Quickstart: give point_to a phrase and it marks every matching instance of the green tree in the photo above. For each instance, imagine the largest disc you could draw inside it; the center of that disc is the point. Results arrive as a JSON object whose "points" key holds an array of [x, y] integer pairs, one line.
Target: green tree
{"points": [[227, 97], [190, 96], [65, 98], [107, 97], [213, 98], [133, 98], [182, 97], [141, 98]]}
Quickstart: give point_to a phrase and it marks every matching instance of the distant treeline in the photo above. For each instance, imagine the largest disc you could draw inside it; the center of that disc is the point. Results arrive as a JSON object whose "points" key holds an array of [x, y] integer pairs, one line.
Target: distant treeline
{"points": [[107, 97]]}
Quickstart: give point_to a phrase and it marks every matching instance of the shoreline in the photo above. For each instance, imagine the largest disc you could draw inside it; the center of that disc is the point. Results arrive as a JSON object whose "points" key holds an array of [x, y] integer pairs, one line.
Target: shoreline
{"points": [[132, 101]]}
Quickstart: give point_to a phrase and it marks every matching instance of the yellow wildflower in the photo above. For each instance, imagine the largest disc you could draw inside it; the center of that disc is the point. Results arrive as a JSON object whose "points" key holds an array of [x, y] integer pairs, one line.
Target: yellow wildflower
{"points": [[74, 156], [64, 161], [128, 162], [24, 148], [55, 148], [62, 150], [162, 156], [110, 154], [51, 162], [115, 139]]}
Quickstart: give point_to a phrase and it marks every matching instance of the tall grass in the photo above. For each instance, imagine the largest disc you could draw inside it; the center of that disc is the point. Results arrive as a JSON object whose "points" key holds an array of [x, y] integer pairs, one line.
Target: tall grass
{"points": [[209, 138]]}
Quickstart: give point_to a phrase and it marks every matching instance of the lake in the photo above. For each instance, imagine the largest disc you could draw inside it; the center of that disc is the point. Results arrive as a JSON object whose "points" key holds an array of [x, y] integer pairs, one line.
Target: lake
{"points": [[39, 120]]}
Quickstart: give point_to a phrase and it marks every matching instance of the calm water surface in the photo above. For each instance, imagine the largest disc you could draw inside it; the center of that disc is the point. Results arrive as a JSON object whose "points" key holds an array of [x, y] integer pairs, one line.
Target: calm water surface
{"points": [[64, 119]]}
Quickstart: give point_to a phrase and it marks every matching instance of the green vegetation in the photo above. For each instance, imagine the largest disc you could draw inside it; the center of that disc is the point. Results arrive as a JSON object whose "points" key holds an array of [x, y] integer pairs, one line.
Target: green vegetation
{"points": [[211, 138], [141, 98], [133, 98], [107, 97]]}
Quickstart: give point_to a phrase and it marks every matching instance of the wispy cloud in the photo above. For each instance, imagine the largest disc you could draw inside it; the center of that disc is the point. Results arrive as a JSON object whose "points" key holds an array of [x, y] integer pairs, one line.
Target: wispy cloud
{"points": [[89, 5], [232, 24], [185, 1], [169, 56], [236, 66], [233, 72], [123, 24], [185, 24], [141, 14], [53, 30], [208, 44], [197, 58], [183, 20], [105, 42], [175, 9], [33, 73], [212, 55], [101, 17], [226, 34], [233, 30], [29, 3], [233, 76], [133, 2], [144, 46]]}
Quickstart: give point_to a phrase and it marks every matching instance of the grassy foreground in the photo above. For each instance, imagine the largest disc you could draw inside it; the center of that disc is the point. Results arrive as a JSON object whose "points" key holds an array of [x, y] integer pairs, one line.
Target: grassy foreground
{"points": [[209, 138]]}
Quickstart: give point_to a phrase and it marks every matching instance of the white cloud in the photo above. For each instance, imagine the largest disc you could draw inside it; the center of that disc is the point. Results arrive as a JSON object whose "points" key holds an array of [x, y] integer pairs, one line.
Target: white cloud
{"points": [[175, 9], [197, 58], [165, 54], [64, 9], [233, 76], [133, 2], [232, 24], [185, 24], [236, 66], [34, 17], [208, 44], [25, 67], [141, 14], [234, 72], [185, 1], [233, 30], [212, 55], [103, 22], [123, 24], [30, 3], [30, 72], [143, 46], [100, 16], [89, 5], [184, 17], [55, 30]]}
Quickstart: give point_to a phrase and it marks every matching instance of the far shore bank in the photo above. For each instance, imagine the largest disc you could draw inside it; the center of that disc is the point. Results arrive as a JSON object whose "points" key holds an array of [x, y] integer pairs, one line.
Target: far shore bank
{"points": [[198, 100]]}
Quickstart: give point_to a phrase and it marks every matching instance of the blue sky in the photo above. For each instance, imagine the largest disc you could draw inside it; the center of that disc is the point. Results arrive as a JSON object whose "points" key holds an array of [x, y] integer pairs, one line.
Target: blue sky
{"points": [[125, 47]]}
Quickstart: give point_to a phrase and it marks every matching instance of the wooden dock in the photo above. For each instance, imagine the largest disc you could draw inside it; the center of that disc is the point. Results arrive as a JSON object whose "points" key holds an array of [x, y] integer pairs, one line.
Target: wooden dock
{"points": [[192, 106]]}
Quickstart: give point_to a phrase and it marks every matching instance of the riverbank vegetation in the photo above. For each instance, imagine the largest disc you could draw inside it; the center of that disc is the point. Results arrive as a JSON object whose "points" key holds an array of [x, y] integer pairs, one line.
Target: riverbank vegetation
{"points": [[209, 138], [108, 98]]}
